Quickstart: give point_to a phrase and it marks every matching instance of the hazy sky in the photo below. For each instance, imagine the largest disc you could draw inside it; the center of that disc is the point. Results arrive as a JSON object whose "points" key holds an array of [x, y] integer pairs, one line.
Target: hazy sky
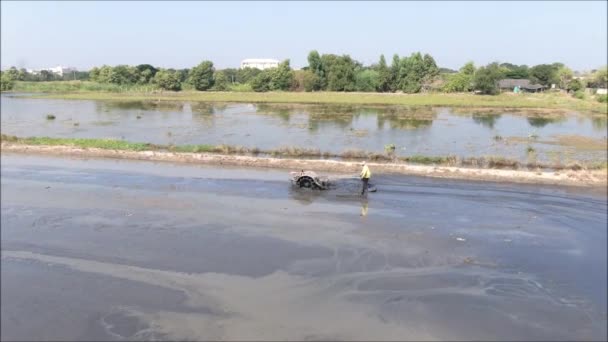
{"points": [[181, 34]]}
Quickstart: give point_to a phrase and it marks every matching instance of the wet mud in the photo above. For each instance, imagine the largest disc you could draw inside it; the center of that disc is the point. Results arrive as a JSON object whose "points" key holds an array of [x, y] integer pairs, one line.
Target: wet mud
{"points": [[136, 250]]}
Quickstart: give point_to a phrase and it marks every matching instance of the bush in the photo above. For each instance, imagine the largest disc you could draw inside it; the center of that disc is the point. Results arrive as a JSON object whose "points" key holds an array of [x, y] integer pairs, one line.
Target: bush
{"points": [[602, 98], [168, 80], [201, 76], [6, 82], [486, 79], [579, 95], [240, 88]]}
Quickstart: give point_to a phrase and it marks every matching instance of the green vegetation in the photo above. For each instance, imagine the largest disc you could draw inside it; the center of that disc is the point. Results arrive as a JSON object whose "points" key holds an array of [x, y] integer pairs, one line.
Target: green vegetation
{"points": [[50, 117], [82, 143], [503, 101], [109, 144]]}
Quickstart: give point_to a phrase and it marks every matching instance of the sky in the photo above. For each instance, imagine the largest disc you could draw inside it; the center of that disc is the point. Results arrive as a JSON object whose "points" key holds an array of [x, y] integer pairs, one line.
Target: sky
{"points": [[182, 34]]}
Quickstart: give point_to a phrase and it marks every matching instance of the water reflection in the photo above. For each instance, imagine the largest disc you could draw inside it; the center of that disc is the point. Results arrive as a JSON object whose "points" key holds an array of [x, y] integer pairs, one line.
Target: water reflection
{"points": [[140, 105], [486, 120], [540, 122], [599, 123]]}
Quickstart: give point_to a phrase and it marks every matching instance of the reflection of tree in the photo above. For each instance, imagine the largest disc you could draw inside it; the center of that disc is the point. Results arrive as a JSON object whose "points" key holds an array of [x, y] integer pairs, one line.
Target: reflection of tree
{"points": [[143, 105], [486, 120], [283, 112], [406, 118], [202, 108], [599, 123], [539, 121]]}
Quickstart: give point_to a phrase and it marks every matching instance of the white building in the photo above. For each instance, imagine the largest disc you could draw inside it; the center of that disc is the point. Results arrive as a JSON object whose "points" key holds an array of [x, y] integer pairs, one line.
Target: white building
{"points": [[259, 63], [58, 70]]}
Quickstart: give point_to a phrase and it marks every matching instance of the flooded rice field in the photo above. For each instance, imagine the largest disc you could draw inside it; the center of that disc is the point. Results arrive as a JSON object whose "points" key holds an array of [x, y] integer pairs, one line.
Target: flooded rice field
{"points": [[547, 137], [123, 250]]}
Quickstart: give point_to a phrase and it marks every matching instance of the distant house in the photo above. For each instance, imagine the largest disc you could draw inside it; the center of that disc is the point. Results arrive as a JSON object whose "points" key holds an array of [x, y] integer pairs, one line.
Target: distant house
{"points": [[259, 63], [522, 84], [58, 70]]}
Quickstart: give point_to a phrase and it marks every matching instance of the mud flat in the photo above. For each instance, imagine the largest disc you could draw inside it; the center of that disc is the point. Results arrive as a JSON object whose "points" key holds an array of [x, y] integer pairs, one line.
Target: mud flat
{"points": [[109, 249], [595, 178]]}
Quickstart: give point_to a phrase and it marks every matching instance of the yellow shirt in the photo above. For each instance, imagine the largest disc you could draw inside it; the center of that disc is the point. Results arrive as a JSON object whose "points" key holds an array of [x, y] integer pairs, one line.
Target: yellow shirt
{"points": [[365, 172]]}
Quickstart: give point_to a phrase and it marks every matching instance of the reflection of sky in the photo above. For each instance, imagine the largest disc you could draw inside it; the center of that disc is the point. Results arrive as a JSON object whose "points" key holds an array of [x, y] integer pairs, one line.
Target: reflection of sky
{"points": [[328, 128]]}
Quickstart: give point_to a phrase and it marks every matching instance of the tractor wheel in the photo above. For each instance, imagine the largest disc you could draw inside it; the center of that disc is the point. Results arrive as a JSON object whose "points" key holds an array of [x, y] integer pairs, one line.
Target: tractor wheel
{"points": [[306, 182]]}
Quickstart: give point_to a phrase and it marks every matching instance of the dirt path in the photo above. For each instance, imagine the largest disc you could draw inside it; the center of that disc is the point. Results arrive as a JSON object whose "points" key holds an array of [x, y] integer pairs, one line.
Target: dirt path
{"points": [[569, 177]]}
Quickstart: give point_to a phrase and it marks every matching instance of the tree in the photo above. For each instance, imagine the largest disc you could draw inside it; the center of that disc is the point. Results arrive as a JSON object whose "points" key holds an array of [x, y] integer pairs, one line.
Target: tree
{"points": [[220, 81], [600, 78], [340, 71], [315, 64], [281, 76], [146, 73], [297, 83], [468, 69], [6, 81], [167, 80], [486, 79], [395, 65], [545, 74], [574, 85], [384, 76], [245, 75], [367, 80], [416, 72], [201, 76], [515, 71], [311, 81], [564, 74], [261, 82]]}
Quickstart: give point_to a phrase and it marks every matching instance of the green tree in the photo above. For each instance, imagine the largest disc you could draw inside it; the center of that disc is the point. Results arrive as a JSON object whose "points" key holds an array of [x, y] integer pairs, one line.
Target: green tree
{"points": [[201, 76], [315, 65], [146, 73], [486, 79], [340, 71], [515, 71], [395, 66], [220, 81], [261, 82], [564, 74], [416, 72], [600, 78], [6, 81], [246, 75], [167, 80], [367, 80], [545, 74], [384, 76], [311, 81], [281, 77], [574, 85]]}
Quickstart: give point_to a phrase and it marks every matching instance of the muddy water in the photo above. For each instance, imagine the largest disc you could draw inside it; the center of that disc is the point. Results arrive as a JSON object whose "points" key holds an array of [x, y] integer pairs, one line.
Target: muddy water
{"points": [[430, 131], [103, 249]]}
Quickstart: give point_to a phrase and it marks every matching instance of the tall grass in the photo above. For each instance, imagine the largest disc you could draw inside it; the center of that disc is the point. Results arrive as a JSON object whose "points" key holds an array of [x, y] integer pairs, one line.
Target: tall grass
{"points": [[80, 86], [496, 162], [242, 93]]}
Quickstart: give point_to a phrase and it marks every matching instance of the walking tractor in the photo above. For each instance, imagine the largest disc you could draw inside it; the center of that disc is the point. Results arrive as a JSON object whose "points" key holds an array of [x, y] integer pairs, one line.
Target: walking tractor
{"points": [[310, 179]]}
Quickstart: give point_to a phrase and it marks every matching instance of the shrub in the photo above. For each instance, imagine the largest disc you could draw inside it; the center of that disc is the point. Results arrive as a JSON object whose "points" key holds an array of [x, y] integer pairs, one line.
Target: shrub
{"points": [[579, 95], [602, 98]]}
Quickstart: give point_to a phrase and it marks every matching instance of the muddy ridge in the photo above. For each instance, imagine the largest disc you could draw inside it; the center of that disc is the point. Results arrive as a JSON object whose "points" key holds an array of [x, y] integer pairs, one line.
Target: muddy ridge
{"points": [[570, 177]]}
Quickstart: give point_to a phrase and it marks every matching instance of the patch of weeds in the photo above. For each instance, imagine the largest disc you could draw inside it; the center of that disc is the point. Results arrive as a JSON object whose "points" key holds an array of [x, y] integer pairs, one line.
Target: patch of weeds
{"points": [[50, 117]]}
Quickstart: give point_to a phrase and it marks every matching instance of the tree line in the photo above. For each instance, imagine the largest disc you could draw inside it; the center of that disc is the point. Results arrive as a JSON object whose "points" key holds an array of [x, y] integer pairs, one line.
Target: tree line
{"points": [[330, 72]]}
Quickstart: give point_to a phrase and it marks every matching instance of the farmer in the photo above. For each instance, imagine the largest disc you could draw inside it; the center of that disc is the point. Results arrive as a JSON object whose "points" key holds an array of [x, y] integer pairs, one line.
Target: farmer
{"points": [[365, 175]]}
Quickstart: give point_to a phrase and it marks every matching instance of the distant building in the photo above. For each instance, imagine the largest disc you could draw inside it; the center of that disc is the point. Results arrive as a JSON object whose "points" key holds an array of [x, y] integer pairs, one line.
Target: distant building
{"points": [[259, 63], [521, 84], [58, 70]]}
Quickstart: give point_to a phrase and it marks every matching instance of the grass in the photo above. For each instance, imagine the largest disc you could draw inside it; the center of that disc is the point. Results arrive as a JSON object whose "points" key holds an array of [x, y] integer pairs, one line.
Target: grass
{"points": [[84, 90], [78, 86], [480, 162]]}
